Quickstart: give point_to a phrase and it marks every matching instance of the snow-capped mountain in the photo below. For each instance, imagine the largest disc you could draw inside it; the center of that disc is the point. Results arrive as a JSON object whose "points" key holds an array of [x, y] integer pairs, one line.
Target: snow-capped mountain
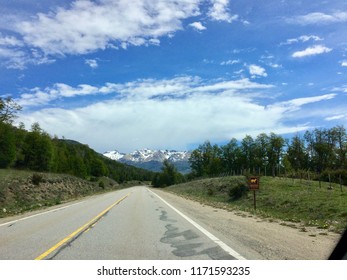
{"points": [[115, 155], [152, 159]]}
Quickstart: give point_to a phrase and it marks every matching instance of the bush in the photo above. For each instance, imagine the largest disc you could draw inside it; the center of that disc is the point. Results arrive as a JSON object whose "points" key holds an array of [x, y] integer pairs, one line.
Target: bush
{"points": [[238, 191], [335, 176], [210, 191], [101, 185], [36, 179]]}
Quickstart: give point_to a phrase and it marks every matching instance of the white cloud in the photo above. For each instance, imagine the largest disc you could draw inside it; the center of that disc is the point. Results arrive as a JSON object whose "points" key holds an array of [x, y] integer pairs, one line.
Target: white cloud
{"points": [[220, 11], [301, 108], [198, 26], [154, 41], [315, 50], [10, 41], [342, 88], [298, 102], [344, 63], [86, 26], [92, 63], [179, 87], [275, 65], [256, 70], [38, 97], [168, 113], [230, 62], [303, 38], [16, 58], [336, 117], [319, 18], [171, 113]]}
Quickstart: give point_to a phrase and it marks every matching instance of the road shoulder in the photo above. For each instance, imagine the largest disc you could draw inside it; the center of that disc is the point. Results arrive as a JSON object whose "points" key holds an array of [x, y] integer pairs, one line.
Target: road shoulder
{"points": [[255, 237]]}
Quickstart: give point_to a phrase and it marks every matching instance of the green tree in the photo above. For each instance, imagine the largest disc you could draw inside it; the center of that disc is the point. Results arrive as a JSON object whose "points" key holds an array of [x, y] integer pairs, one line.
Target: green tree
{"points": [[169, 176], [231, 156], [38, 150], [196, 163], [7, 145], [98, 168], [8, 110], [20, 134], [297, 154], [341, 146], [248, 153], [275, 151], [261, 152], [323, 150], [169, 173], [206, 160]]}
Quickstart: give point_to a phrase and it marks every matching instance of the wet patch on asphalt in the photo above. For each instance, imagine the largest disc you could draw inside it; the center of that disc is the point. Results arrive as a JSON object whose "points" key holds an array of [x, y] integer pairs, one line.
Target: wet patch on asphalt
{"points": [[164, 217], [188, 243]]}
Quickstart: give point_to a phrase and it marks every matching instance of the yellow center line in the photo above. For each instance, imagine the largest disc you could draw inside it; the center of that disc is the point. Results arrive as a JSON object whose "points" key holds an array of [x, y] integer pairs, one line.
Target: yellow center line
{"points": [[82, 228]]}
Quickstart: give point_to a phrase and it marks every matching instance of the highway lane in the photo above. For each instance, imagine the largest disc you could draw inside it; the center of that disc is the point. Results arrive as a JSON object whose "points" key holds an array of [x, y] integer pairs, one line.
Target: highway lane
{"points": [[29, 237], [129, 224]]}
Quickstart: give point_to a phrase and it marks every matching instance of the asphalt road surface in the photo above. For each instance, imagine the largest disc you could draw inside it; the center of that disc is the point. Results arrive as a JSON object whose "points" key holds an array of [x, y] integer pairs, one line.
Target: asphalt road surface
{"points": [[130, 224]]}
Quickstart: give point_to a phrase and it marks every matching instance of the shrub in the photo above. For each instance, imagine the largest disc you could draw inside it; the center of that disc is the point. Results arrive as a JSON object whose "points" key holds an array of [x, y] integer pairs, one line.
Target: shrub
{"points": [[36, 179], [238, 191], [210, 191], [101, 185], [335, 176]]}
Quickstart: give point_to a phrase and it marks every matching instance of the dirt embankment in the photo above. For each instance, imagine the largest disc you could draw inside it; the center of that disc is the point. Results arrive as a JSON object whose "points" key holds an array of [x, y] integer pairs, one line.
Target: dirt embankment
{"points": [[25, 191]]}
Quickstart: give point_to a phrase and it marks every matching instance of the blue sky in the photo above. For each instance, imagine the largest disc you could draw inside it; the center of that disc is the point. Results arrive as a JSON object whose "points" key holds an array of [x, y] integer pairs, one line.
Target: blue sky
{"points": [[119, 74]]}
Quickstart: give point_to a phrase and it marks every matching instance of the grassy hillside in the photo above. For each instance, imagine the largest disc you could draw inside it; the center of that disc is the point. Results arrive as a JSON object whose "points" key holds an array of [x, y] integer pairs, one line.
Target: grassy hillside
{"points": [[27, 190], [289, 200]]}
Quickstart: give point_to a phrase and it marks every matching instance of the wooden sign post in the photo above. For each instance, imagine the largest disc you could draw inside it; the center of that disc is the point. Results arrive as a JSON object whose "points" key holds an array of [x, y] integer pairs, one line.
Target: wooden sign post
{"points": [[253, 184]]}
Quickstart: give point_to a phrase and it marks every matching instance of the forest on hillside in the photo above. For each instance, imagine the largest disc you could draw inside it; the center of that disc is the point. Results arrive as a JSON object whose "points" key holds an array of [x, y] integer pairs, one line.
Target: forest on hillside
{"points": [[36, 150], [317, 154]]}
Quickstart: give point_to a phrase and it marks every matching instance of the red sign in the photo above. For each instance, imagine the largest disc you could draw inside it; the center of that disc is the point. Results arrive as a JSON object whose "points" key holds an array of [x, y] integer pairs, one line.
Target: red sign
{"points": [[253, 183]]}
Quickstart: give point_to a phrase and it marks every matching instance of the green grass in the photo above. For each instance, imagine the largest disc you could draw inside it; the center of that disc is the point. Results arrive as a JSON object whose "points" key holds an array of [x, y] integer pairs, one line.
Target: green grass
{"points": [[280, 198]]}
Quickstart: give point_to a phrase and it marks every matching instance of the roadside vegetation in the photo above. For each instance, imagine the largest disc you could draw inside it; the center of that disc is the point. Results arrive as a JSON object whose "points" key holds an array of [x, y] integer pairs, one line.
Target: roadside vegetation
{"points": [[303, 179], [289, 200], [24, 190], [169, 176]]}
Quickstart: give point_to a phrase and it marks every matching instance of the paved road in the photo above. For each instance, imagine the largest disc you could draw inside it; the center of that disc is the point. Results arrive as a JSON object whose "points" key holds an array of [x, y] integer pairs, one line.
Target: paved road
{"points": [[129, 224]]}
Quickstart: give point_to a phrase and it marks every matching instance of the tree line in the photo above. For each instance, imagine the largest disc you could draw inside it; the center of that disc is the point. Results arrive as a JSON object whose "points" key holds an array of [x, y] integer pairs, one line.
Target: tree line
{"points": [[169, 176], [320, 151], [36, 150]]}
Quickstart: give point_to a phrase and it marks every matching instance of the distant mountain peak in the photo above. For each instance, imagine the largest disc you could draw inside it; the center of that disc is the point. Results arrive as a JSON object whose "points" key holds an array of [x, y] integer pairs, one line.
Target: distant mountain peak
{"points": [[115, 155], [152, 159], [144, 155]]}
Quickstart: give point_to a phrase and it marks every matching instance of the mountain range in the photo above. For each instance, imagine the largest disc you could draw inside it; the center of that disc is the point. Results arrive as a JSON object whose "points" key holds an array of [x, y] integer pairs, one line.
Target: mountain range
{"points": [[153, 159]]}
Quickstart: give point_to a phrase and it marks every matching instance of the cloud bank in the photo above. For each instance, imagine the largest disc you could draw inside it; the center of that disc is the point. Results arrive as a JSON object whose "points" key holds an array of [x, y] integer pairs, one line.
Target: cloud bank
{"points": [[86, 26], [169, 113]]}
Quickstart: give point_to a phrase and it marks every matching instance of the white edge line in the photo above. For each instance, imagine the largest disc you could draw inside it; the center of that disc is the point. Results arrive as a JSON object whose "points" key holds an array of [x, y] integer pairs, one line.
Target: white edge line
{"points": [[39, 214], [220, 243]]}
